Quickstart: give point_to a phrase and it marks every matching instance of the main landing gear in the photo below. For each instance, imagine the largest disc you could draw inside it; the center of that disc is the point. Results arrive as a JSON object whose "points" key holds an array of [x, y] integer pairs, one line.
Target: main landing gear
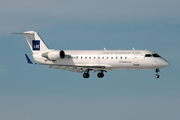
{"points": [[86, 75], [157, 75], [99, 75]]}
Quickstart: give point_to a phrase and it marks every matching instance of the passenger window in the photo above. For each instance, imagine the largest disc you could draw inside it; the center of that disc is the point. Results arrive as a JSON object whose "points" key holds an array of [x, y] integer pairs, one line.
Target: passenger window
{"points": [[89, 57], [111, 57], [148, 55], [107, 57]]}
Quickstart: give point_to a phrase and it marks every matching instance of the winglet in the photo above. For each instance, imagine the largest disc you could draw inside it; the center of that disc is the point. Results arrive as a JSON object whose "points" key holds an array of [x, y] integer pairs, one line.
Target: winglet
{"points": [[28, 60]]}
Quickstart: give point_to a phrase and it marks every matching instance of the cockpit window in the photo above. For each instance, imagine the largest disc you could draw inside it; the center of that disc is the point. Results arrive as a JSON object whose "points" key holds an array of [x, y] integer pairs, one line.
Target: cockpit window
{"points": [[156, 55], [152, 55], [148, 55]]}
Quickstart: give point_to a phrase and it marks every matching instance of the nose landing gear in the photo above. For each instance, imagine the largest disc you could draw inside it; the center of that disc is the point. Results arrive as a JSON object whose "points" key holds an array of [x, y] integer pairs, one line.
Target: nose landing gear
{"points": [[157, 75]]}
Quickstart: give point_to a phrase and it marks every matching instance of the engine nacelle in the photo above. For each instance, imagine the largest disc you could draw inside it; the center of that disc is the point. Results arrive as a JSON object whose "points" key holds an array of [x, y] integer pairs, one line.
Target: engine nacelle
{"points": [[54, 55]]}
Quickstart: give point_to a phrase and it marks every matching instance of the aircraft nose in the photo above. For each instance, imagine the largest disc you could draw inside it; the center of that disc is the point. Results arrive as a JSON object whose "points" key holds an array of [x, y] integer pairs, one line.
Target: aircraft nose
{"points": [[165, 63]]}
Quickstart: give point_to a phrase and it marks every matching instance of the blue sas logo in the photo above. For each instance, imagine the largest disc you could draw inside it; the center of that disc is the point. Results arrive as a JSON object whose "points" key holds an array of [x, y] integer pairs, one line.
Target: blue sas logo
{"points": [[36, 44]]}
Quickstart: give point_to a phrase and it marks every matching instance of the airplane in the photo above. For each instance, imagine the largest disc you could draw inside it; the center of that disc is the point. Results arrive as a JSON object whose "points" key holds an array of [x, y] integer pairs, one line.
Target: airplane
{"points": [[84, 61]]}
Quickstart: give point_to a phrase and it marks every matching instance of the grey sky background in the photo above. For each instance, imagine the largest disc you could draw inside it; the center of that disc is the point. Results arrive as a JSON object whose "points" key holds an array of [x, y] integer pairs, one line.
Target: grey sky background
{"points": [[39, 93]]}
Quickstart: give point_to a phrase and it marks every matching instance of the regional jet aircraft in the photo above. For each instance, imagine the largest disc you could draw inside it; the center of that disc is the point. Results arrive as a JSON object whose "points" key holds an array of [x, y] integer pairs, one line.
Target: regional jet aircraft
{"points": [[84, 61]]}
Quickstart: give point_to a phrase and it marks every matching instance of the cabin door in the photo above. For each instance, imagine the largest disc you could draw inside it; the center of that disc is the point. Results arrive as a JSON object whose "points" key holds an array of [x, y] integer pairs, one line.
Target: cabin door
{"points": [[136, 60]]}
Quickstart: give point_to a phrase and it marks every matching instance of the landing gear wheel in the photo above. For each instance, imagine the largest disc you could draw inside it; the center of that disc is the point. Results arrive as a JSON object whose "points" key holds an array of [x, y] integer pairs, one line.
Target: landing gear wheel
{"points": [[100, 75], [86, 75], [157, 76]]}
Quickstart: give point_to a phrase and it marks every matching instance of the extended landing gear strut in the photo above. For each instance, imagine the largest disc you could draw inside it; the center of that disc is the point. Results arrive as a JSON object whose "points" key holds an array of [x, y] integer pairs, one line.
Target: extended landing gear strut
{"points": [[157, 75], [86, 74]]}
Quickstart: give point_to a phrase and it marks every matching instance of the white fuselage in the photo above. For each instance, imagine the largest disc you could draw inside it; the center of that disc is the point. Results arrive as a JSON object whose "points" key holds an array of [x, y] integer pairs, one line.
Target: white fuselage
{"points": [[111, 59]]}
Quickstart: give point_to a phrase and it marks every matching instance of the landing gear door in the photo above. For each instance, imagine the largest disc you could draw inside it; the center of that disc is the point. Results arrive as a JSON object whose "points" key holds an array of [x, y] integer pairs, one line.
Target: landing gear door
{"points": [[136, 60]]}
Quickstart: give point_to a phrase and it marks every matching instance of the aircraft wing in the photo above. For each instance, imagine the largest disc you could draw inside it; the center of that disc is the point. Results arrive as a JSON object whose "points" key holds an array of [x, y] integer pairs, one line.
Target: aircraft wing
{"points": [[73, 68], [80, 69]]}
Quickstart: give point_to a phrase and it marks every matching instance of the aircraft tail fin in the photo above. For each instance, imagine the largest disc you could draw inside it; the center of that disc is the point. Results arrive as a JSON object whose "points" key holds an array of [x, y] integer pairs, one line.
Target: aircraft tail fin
{"points": [[35, 42]]}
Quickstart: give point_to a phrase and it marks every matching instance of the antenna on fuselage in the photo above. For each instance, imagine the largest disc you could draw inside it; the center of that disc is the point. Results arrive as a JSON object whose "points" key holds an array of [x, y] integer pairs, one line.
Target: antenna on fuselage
{"points": [[104, 48], [133, 48]]}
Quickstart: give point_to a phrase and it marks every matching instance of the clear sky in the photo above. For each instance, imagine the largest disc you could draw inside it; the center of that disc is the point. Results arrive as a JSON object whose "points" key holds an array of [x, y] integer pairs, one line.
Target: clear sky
{"points": [[31, 92]]}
